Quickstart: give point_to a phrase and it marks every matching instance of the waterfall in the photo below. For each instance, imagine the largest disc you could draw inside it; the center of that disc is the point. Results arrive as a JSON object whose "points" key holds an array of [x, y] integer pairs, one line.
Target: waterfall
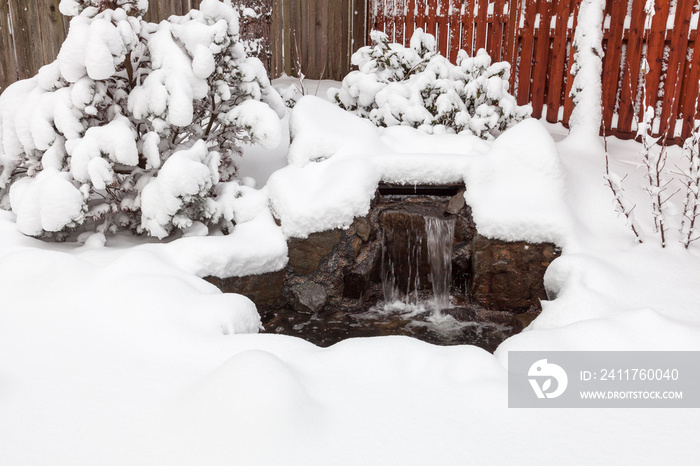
{"points": [[404, 241], [401, 259], [440, 238]]}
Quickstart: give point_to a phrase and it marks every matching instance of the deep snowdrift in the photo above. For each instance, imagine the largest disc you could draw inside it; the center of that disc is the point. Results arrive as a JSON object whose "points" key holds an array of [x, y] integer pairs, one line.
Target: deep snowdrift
{"points": [[115, 353]]}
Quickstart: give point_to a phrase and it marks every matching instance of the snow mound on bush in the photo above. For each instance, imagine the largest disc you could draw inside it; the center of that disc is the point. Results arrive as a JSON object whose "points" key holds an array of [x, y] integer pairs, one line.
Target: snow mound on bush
{"points": [[46, 203], [145, 121], [416, 86]]}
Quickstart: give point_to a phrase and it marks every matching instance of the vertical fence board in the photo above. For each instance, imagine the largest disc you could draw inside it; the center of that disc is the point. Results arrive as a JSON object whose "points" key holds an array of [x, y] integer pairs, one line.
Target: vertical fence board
{"points": [[628, 93], [442, 26], [30, 56], [328, 63], [378, 15], [287, 37], [481, 24], [345, 52], [8, 66], [541, 55], [51, 29], [568, 104], [556, 75], [386, 6], [526, 52], [421, 9], [277, 39], [400, 22], [467, 40], [410, 18], [496, 32], [314, 25], [612, 39], [335, 47], [691, 96], [676, 62], [511, 42], [359, 29], [431, 19], [153, 15], [655, 55], [453, 47]]}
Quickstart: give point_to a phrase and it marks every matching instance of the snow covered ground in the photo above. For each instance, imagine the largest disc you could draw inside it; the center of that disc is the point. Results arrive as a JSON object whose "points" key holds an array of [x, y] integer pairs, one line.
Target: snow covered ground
{"points": [[114, 352]]}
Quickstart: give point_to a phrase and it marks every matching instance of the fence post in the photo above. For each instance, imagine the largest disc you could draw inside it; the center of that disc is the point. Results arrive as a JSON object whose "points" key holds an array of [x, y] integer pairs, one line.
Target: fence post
{"points": [[25, 22], [277, 39], [8, 65]]}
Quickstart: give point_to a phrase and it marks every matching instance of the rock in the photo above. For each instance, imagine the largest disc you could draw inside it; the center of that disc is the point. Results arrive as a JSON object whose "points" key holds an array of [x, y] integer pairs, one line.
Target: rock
{"points": [[264, 290], [456, 204], [358, 279], [306, 254], [509, 275], [362, 228], [309, 297], [522, 320]]}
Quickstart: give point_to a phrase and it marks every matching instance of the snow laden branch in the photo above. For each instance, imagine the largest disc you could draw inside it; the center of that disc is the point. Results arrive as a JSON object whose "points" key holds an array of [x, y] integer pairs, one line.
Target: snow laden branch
{"points": [[656, 172], [415, 86], [622, 205], [135, 125], [691, 180]]}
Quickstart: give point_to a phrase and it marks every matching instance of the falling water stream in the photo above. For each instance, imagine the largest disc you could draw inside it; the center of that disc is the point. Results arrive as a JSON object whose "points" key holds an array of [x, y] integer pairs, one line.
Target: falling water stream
{"points": [[440, 235], [402, 259]]}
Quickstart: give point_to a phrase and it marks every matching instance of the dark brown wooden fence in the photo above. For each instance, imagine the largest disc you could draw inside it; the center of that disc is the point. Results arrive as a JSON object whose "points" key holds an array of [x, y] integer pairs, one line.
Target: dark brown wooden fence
{"points": [[542, 56], [317, 37], [32, 31]]}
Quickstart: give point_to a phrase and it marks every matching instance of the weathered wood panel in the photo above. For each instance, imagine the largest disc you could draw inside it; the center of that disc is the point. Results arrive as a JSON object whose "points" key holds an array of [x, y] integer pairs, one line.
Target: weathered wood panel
{"points": [[8, 65]]}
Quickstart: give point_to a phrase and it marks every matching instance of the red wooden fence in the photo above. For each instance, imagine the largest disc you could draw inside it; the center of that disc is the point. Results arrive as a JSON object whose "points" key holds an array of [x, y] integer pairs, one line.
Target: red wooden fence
{"points": [[511, 30]]}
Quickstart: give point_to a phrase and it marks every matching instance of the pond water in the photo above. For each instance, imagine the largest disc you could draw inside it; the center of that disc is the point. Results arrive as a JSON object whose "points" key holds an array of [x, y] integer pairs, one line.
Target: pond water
{"points": [[457, 325]]}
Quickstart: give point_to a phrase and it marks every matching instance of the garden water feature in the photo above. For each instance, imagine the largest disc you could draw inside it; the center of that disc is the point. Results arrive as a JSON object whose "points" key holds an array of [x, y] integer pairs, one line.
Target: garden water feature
{"points": [[415, 265]]}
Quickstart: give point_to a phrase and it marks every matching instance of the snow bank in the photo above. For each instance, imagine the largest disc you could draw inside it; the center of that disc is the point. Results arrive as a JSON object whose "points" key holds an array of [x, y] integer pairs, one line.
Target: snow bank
{"points": [[517, 191], [255, 247], [320, 130], [114, 353], [322, 196], [514, 185]]}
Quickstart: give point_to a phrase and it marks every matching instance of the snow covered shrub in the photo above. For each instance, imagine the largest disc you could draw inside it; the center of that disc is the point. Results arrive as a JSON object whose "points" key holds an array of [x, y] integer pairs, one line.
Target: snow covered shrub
{"points": [[135, 125], [418, 87]]}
